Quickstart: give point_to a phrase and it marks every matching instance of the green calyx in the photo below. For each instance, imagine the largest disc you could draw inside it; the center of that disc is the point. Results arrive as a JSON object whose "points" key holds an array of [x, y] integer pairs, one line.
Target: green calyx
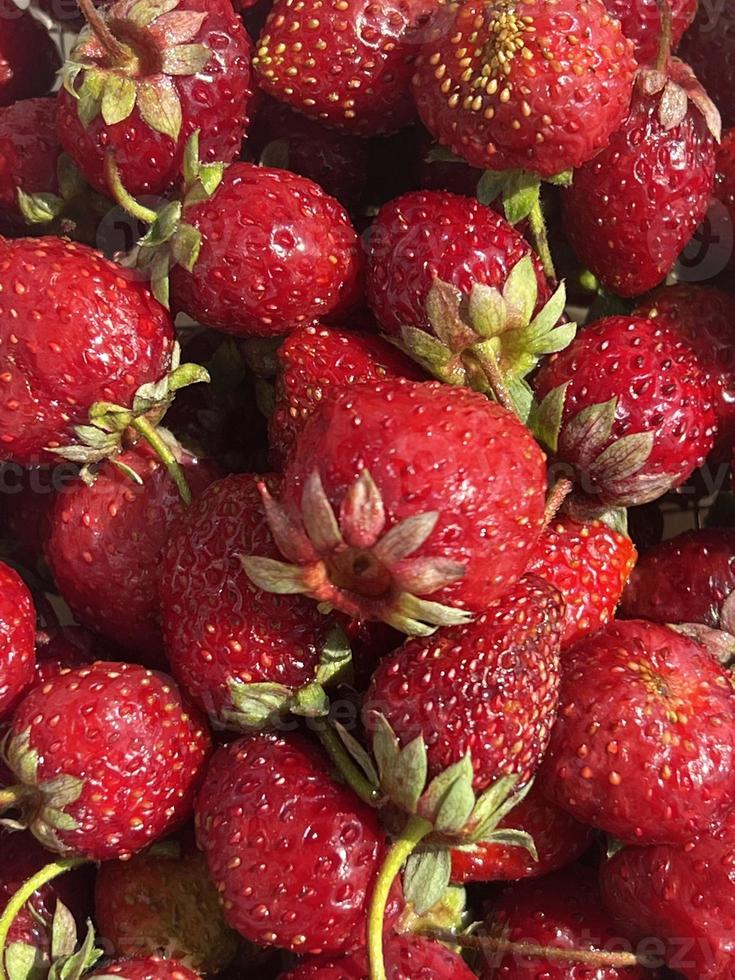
{"points": [[69, 960], [68, 212]]}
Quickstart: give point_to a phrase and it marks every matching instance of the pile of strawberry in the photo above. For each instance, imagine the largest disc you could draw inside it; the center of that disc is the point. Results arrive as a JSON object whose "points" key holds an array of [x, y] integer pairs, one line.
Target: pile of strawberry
{"points": [[326, 649]]}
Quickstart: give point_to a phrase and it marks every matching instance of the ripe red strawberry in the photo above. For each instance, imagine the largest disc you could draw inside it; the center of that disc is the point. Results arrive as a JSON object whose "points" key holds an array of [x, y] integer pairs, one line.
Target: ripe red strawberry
{"points": [[631, 210], [64, 648], [104, 549], [315, 361], [29, 59], [348, 65], [293, 854], [17, 639], [425, 479], [641, 23], [29, 154], [684, 896], [559, 840], [709, 47], [145, 968], [164, 902], [705, 316], [107, 757], [589, 564], [139, 82], [644, 745], [632, 384], [514, 87]]}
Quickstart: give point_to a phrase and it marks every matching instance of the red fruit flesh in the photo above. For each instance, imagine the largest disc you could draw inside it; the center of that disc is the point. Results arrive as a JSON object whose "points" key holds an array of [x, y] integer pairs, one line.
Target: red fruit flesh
{"points": [[641, 23], [145, 968], [29, 59], [269, 814], [29, 153], [277, 253], [129, 751], [17, 639], [115, 336], [509, 86], [644, 745], [709, 47]]}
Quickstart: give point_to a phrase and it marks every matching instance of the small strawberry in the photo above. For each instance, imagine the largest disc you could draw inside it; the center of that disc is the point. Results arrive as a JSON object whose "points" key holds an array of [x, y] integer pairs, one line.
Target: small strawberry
{"points": [[141, 79], [29, 59], [348, 65], [628, 408], [524, 84], [29, 155], [293, 853], [17, 639], [589, 564], [644, 745], [144, 968], [641, 23], [425, 481], [683, 896], [107, 757], [709, 47]]}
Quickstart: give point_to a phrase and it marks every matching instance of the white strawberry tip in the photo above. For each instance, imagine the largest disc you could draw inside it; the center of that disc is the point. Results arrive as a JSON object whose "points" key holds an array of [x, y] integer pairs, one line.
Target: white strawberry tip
{"points": [[352, 564]]}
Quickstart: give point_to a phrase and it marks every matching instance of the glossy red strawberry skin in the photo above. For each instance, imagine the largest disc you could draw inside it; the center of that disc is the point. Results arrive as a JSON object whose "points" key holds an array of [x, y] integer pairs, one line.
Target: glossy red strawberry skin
{"points": [[589, 564], [288, 254], [641, 23], [684, 896], [146, 968], [489, 688], [115, 336], [660, 388], [105, 545], [139, 750], [218, 626], [29, 59], [559, 840], [315, 361], [709, 47], [268, 814], [644, 745], [29, 153], [631, 210], [349, 65], [215, 101], [549, 103], [428, 234], [17, 639]]}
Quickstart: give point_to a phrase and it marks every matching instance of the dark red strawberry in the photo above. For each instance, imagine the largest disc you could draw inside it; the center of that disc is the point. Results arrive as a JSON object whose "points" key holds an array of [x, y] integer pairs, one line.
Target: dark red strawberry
{"points": [[107, 757], [315, 361], [514, 87], [682, 896], [425, 479], [636, 409], [705, 316], [140, 81], [29, 59], [17, 639], [589, 564], [644, 745], [293, 854], [145, 968], [722, 213], [641, 22], [62, 649], [559, 840], [105, 544], [25, 518], [348, 65], [631, 210], [29, 154], [709, 47]]}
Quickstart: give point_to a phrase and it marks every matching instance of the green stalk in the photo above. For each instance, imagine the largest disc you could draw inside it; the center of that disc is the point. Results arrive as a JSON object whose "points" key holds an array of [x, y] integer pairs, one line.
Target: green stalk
{"points": [[413, 833], [537, 224], [126, 201], [345, 766], [164, 453]]}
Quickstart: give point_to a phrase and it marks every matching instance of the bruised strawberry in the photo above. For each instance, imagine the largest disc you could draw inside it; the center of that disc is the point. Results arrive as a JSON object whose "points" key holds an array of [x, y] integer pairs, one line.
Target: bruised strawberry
{"points": [[17, 639], [29, 59], [641, 23]]}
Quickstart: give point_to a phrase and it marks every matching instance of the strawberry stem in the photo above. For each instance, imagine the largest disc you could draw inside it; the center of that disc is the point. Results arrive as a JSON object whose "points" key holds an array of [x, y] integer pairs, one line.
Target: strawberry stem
{"points": [[666, 36], [153, 437], [537, 224], [494, 376], [413, 833], [345, 766], [116, 49], [126, 201], [26, 890], [555, 499]]}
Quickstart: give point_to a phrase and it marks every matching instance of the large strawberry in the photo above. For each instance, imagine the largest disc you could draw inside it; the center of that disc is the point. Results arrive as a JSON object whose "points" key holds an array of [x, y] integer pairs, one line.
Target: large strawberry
{"points": [[525, 84], [17, 639], [644, 745], [412, 503], [628, 408], [143, 77], [29, 58], [641, 22], [709, 47], [107, 758]]}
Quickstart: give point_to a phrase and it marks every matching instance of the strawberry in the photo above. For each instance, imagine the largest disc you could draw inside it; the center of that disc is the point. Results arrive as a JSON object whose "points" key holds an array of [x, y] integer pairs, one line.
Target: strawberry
{"points": [[348, 65], [709, 47], [29, 155], [144, 968], [631, 210], [165, 902], [641, 23], [644, 745], [314, 361], [513, 86], [628, 408], [558, 837], [705, 316], [589, 564], [105, 545], [29, 59], [684, 896], [292, 853], [107, 757], [17, 639], [725, 193], [425, 479], [140, 80]]}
